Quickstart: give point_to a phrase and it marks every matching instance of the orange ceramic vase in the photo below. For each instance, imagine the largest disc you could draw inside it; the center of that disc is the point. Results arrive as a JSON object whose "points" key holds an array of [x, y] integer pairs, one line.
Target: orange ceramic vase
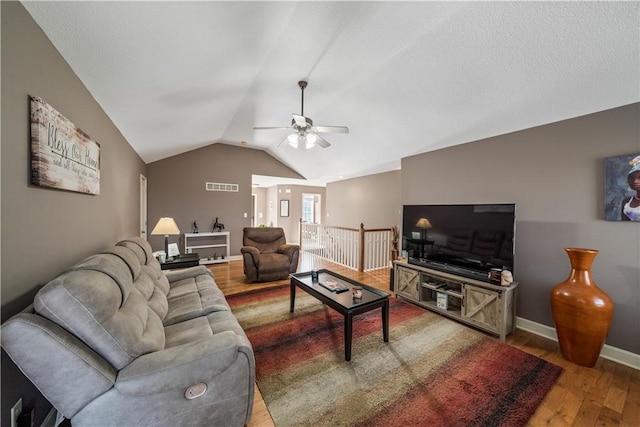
{"points": [[581, 311]]}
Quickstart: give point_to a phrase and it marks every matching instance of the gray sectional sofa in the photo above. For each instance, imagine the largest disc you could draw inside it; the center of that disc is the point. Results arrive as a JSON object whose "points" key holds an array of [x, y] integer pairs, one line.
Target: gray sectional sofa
{"points": [[115, 341]]}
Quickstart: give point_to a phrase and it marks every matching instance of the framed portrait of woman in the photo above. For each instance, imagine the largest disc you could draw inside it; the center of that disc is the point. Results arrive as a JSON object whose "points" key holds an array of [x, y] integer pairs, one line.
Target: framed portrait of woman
{"points": [[622, 188]]}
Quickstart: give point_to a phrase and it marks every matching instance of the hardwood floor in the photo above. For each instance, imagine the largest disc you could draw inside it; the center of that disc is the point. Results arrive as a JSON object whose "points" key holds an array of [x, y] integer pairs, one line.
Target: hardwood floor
{"points": [[605, 395]]}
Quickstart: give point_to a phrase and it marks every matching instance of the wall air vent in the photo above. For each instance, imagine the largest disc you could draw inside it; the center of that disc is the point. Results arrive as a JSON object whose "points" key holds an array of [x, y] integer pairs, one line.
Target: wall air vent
{"points": [[218, 186]]}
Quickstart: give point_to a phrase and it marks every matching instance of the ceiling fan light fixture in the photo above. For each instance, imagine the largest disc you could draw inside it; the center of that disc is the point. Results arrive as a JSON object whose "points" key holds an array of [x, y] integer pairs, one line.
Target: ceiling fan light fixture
{"points": [[310, 140], [303, 132], [293, 140]]}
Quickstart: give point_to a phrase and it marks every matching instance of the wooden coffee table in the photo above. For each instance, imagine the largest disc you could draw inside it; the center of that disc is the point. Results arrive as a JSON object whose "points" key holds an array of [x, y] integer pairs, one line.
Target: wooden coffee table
{"points": [[343, 302]]}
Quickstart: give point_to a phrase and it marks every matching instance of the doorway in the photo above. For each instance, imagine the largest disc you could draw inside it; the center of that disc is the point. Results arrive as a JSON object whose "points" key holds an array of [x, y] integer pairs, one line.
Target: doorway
{"points": [[143, 207], [312, 208], [254, 209]]}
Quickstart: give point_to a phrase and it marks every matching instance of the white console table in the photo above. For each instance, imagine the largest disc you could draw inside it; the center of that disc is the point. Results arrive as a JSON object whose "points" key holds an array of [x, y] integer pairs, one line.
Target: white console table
{"points": [[218, 239]]}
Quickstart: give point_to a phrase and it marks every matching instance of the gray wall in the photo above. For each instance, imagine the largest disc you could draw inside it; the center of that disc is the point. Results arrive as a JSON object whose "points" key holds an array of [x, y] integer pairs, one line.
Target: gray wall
{"points": [[291, 224], [555, 174], [374, 200], [55, 228], [177, 189], [43, 230]]}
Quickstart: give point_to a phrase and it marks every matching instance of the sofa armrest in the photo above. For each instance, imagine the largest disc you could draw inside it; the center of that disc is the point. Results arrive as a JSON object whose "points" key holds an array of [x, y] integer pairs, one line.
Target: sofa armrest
{"points": [[186, 273], [67, 372], [184, 365], [289, 250], [250, 250]]}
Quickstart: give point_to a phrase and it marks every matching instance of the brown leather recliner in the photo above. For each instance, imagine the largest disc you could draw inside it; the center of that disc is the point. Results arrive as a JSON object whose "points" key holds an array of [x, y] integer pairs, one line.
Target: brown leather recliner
{"points": [[267, 256]]}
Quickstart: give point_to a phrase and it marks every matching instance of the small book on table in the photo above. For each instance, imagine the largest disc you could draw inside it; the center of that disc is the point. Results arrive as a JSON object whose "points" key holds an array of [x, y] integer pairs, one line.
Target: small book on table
{"points": [[334, 286]]}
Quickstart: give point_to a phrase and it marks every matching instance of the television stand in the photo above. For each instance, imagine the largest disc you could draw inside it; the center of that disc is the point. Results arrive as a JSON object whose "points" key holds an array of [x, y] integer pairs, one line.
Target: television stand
{"points": [[488, 307]]}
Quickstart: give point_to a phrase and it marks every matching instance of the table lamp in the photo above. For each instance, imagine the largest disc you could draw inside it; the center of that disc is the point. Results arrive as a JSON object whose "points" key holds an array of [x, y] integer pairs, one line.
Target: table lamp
{"points": [[166, 226], [423, 223]]}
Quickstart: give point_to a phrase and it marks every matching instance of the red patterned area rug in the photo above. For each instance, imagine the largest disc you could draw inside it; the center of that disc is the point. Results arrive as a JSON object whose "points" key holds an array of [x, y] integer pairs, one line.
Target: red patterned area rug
{"points": [[432, 372]]}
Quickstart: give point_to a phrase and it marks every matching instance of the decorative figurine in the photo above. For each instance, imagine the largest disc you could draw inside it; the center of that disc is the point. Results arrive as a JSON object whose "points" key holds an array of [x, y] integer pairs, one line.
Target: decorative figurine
{"points": [[195, 227], [217, 226]]}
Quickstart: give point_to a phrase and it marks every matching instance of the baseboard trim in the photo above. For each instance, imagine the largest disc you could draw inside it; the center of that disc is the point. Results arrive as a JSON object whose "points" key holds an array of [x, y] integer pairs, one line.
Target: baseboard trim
{"points": [[608, 352]]}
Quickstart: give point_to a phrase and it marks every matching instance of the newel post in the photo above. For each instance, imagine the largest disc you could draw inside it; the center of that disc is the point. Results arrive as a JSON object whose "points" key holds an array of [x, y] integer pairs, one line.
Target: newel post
{"points": [[361, 255], [300, 234]]}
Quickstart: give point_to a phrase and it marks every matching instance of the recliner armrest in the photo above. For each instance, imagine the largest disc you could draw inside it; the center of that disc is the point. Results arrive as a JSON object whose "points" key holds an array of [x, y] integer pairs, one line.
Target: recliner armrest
{"points": [[289, 250], [182, 366], [255, 254]]}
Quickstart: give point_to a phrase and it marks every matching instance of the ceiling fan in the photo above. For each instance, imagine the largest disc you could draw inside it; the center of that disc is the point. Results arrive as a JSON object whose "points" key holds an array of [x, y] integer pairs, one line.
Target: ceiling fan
{"points": [[304, 134]]}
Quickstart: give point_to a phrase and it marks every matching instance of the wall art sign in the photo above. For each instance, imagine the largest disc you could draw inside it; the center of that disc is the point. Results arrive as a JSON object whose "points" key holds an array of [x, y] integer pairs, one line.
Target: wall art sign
{"points": [[62, 156], [622, 188]]}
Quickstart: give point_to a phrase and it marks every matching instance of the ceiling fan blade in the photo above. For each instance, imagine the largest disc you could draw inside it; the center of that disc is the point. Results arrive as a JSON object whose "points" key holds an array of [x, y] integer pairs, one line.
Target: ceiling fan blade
{"points": [[284, 142], [270, 128], [331, 129], [322, 142]]}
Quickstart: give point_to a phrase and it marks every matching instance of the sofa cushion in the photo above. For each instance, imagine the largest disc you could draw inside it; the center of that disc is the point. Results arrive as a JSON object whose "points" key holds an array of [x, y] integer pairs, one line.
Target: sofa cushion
{"points": [[98, 302], [202, 327], [140, 247], [148, 287], [130, 258], [190, 292], [272, 263], [149, 264], [192, 297], [154, 271], [155, 298], [266, 239]]}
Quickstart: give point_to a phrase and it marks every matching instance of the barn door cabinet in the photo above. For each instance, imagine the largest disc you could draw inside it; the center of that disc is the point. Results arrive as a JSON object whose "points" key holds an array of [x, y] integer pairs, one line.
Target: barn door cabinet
{"points": [[482, 305]]}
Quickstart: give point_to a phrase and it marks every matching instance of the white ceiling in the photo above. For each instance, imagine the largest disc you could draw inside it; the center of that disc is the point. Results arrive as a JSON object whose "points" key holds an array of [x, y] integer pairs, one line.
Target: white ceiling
{"points": [[406, 78]]}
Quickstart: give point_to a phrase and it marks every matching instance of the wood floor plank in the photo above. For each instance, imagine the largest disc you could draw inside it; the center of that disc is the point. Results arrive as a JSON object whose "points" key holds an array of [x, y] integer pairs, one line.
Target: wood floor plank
{"points": [[608, 417], [631, 411], [606, 395]]}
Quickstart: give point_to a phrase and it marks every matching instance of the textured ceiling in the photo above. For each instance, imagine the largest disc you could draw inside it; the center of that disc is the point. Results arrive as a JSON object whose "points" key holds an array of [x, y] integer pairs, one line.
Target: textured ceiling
{"points": [[406, 78]]}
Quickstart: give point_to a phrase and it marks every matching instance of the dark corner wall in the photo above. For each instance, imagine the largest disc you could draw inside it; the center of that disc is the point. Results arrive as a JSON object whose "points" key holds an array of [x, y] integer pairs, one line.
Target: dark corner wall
{"points": [[177, 189], [44, 231], [555, 175]]}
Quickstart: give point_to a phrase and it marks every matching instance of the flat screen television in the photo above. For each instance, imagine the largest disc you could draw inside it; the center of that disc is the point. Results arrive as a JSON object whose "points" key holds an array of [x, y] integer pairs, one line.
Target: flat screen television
{"points": [[467, 240]]}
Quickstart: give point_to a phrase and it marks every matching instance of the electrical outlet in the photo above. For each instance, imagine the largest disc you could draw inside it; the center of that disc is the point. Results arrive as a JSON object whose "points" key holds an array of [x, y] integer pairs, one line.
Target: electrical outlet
{"points": [[16, 410]]}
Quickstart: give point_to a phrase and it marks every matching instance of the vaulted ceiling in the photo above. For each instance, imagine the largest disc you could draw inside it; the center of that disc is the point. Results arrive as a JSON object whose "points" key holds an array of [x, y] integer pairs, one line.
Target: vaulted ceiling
{"points": [[405, 77]]}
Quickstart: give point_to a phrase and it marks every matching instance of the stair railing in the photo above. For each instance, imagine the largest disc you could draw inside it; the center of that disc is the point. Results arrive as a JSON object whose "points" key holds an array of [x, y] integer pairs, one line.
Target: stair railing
{"points": [[357, 248]]}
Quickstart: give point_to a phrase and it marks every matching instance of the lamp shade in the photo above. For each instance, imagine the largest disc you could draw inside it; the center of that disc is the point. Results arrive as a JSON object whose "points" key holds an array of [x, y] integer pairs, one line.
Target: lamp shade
{"points": [[423, 223], [166, 226]]}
